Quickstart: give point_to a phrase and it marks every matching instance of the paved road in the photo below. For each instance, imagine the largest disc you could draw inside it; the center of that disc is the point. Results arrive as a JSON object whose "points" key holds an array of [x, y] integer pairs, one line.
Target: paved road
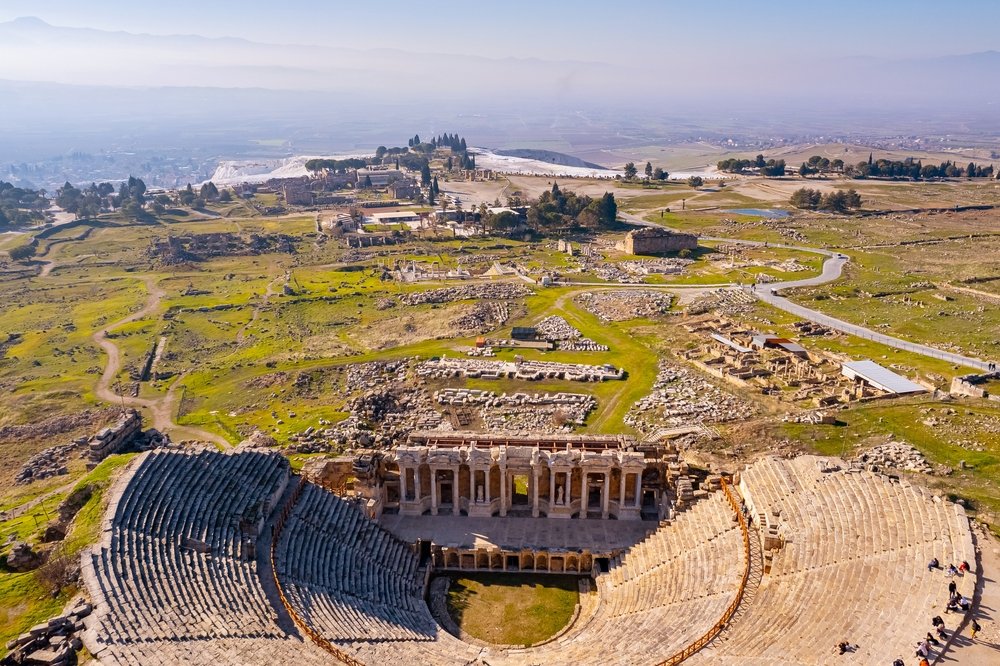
{"points": [[832, 268]]}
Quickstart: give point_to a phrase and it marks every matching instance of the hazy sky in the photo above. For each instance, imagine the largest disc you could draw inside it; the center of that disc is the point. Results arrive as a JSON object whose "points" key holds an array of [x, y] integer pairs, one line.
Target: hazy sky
{"points": [[596, 30]]}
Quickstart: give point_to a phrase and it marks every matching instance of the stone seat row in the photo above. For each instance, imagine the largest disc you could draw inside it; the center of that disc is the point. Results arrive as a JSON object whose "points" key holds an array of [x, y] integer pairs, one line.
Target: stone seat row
{"points": [[853, 565], [361, 592], [700, 526], [162, 598]]}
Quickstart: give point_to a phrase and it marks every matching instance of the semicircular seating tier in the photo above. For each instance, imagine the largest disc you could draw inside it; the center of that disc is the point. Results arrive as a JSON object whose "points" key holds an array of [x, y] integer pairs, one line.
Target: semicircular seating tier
{"points": [[175, 579], [853, 565], [359, 588]]}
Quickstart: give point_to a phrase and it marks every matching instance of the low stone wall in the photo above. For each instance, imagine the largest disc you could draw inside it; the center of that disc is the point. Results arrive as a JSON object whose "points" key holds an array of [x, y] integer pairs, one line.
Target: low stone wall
{"points": [[969, 385], [113, 439]]}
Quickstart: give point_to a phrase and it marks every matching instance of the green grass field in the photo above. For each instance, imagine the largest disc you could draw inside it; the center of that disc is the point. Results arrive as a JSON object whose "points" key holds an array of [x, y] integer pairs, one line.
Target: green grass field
{"points": [[25, 601], [237, 354], [512, 609]]}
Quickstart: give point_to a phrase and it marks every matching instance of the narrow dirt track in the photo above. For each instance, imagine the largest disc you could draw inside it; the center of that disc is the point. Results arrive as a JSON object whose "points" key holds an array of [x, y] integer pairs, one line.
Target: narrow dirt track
{"points": [[160, 409]]}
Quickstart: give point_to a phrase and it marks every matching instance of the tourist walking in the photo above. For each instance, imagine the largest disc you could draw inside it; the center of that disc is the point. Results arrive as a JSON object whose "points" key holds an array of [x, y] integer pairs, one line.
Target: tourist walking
{"points": [[975, 629]]}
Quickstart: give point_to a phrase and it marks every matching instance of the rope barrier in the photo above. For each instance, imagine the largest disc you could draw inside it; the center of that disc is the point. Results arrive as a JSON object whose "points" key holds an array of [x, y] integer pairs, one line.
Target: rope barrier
{"points": [[716, 629], [299, 622], [677, 658]]}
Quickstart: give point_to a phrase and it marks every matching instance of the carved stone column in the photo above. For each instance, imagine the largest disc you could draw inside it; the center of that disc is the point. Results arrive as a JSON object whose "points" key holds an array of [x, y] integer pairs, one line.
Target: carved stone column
{"points": [[434, 492], [621, 492], [534, 492], [503, 490], [472, 483], [606, 495]]}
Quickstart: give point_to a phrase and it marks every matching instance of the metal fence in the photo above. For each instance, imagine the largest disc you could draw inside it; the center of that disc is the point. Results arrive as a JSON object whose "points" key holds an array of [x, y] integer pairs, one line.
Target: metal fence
{"points": [[861, 332]]}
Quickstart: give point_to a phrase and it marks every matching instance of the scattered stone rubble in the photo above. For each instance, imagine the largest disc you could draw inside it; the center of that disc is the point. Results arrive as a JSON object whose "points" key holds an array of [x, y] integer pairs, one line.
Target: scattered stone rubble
{"points": [[385, 411], [558, 330], [374, 374], [258, 440], [445, 368], [727, 301], [23, 558], [539, 412], [49, 462], [485, 316], [126, 433], [487, 290], [895, 455], [635, 272], [54, 642], [681, 397], [610, 306], [174, 250], [56, 425]]}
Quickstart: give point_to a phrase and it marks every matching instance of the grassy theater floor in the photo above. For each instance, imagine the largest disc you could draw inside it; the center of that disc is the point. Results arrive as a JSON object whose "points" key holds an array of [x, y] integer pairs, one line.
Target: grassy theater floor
{"points": [[512, 609]]}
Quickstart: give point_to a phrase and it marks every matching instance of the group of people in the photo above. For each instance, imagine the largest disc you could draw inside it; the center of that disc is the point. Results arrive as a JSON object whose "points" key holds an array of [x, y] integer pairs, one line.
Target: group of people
{"points": [[956, 603]]}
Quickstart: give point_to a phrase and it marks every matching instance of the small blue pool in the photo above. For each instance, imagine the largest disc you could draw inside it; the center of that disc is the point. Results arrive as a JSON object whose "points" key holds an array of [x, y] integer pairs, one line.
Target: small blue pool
{"points": [[772, 213]]}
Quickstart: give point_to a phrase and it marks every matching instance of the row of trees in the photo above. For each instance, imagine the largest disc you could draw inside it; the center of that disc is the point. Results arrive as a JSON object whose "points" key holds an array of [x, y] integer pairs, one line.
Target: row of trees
{"points": [[771, 168], [819, 164], [20, 206], [837, 201], [913, 169], [453, 141], [85, 203], [197, 200], [630, 172], [909, 168], [131, 198], [100, 198]]}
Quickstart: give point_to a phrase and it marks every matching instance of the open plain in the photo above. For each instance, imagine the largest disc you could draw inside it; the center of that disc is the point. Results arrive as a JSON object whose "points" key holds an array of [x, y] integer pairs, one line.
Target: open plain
{"points": [[301, 329]]}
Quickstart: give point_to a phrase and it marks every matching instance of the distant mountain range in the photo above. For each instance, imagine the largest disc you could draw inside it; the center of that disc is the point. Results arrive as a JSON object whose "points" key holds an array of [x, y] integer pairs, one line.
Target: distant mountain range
{"points": [[66, 89], [36, 51]]}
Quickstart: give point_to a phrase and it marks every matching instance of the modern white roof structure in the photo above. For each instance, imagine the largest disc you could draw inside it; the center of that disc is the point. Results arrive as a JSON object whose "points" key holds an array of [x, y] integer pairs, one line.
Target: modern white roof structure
{"points": [[881, 378], [718, 337], [395, 216]]}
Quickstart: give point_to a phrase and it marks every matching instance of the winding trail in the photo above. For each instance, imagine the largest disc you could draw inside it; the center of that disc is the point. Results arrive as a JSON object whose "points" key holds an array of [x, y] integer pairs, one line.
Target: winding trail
{"points": [[832, 269], [161, 409], [268, 293]]}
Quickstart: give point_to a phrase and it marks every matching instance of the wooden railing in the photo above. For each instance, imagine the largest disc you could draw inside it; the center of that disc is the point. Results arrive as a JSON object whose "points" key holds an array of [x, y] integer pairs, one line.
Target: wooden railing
{"points": [[316, 638], [717, 628]]}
